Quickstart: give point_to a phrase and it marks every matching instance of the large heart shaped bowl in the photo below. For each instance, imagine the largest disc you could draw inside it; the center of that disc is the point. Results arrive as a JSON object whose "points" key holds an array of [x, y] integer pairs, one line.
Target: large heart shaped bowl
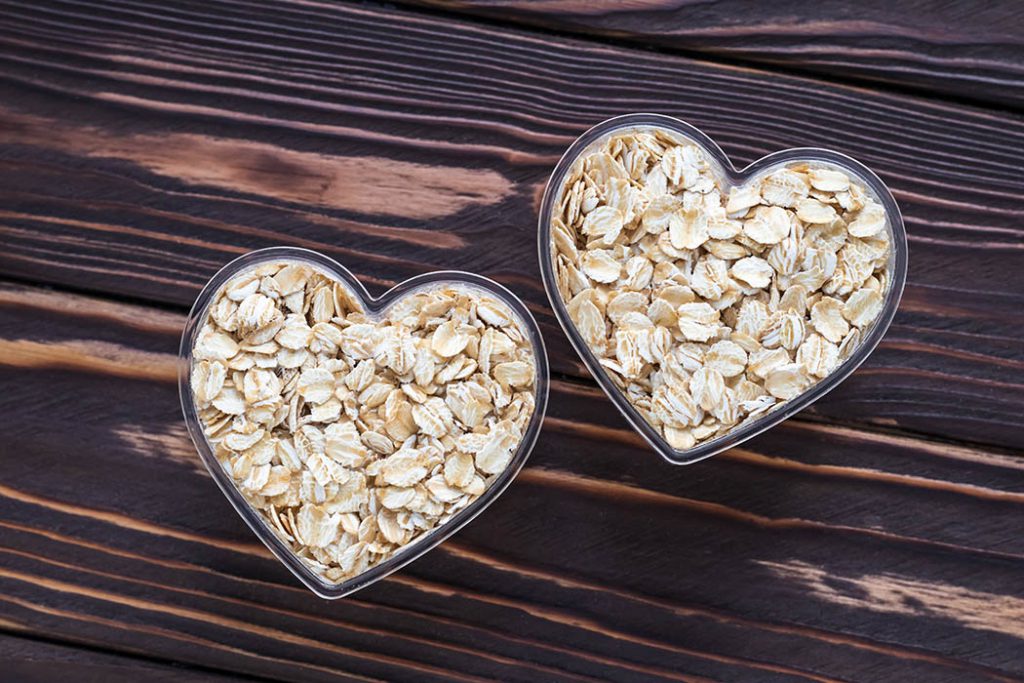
{"points": [[728, 176], [376, 308]]}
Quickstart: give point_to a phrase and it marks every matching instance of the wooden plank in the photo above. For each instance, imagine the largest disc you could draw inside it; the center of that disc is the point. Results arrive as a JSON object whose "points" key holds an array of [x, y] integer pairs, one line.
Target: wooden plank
{"points": [[962, 50], [813, 553], [27, 660], [148, 145]]}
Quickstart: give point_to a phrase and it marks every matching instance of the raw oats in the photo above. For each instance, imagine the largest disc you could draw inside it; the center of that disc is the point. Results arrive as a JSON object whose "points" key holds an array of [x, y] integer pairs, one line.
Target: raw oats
{"points": [[353, 436], [706, 305]]}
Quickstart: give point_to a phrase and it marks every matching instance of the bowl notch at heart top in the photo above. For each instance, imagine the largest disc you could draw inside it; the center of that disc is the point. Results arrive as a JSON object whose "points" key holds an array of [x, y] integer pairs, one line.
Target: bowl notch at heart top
{"points": [[353, 433], [651, 177]]}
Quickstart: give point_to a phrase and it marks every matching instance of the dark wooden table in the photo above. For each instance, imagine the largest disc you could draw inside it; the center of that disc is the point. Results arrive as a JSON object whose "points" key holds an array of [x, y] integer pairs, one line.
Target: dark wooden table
{"points": [[877, 537]]}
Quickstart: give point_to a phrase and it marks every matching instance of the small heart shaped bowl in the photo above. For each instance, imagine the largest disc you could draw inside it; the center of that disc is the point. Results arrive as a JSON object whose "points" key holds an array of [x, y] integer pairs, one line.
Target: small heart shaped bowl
{"points": [[729, 177], [374, 307]]}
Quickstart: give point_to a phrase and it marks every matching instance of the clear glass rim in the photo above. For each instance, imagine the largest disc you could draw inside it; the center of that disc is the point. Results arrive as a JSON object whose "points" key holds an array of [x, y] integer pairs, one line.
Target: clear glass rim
{"points": [[733, 177], [375, 306]]}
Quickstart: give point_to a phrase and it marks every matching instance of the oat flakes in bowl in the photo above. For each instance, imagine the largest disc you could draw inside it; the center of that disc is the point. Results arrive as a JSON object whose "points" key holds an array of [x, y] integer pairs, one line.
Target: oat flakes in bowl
{"points": [[351, 433], [711, 303]]}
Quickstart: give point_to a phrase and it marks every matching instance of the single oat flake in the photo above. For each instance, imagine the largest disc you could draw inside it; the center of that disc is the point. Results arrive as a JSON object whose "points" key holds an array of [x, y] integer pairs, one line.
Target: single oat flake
{"points": [[354, 436], [706, 305]]}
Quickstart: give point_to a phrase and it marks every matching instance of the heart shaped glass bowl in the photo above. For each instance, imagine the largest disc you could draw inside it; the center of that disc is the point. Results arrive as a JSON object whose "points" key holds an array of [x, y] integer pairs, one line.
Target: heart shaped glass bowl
{"points": [[375, 308], [728, 177]]}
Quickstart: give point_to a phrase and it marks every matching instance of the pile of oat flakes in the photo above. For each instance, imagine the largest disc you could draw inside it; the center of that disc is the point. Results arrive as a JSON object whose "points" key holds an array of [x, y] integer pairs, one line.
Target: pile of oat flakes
{"points": [[705, 308], [354, 437]]}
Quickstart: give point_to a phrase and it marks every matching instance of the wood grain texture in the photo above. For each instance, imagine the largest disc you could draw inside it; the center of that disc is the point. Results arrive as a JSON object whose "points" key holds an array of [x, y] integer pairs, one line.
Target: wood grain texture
{"points": [[963, 50], [142, 147], [813, 553], [27, 660]]}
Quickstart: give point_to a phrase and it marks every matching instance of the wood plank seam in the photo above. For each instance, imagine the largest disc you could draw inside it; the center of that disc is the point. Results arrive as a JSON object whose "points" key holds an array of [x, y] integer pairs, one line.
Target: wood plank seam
{"points": [[29, 354], [10, 629], [463, 550], [465, 11], [829, 536]]}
